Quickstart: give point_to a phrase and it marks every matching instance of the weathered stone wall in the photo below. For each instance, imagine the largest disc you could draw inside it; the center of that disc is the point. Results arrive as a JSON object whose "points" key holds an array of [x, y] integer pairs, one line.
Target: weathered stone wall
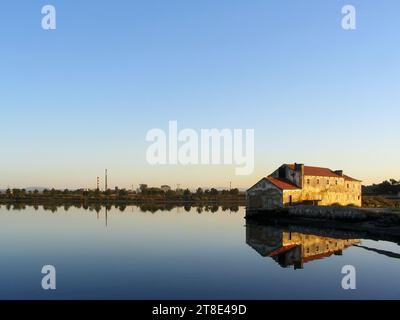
{"points": [[263, 239], [312, 245], [264, 195], [292, 196], [328, 213], [327, 191], [334, 190]]}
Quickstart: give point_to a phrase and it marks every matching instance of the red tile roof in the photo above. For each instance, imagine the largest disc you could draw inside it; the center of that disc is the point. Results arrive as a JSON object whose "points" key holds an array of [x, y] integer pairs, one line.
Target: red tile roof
{"points": [[282, 184], [350, 178], [322, 172], [317, 171]]}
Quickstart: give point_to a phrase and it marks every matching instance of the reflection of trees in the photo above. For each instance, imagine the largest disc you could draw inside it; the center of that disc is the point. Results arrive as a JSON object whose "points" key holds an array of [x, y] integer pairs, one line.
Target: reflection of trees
{"points": [[148, 207], [95, 207], [52, 208], [18, 206], [230, 208]]}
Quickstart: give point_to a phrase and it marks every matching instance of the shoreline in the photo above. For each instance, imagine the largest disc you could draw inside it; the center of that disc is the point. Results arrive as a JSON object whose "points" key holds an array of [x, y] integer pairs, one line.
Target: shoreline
{"points": [[371, 224], [105, 202]]}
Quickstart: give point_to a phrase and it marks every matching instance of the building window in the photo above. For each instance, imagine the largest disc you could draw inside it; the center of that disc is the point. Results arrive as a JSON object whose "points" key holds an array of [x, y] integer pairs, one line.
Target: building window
{"points": [[308, 181], [359, 197], [327, 181], [348, 186], [336, 182], [317, 181]]}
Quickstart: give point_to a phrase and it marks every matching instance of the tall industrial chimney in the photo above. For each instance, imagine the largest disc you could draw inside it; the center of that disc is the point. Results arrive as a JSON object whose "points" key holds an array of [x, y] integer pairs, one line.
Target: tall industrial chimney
{"points": [[106, 188]]}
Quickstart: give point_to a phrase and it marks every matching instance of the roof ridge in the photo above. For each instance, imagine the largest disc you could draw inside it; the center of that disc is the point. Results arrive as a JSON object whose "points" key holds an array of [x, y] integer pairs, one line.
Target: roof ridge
{"points": [[282, 184]]}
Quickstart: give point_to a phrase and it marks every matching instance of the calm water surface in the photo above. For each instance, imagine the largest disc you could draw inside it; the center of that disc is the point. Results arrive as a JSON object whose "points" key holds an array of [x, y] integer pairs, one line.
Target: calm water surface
{"points": [[181, 254]]}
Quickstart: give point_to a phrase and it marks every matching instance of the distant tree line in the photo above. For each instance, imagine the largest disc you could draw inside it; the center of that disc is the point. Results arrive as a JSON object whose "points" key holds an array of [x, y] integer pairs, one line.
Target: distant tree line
{"points": [[144, 190], [142, 194], [379, 202], [391, 187]]}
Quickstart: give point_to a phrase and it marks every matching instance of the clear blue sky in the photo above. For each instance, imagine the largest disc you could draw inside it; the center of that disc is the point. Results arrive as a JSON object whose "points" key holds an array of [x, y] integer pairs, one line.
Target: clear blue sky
{"points": [[81, 98]]}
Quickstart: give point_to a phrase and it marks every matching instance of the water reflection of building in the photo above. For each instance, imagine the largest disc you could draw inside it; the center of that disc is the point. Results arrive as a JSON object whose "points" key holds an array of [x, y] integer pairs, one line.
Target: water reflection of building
{"points": [[293, 248]]}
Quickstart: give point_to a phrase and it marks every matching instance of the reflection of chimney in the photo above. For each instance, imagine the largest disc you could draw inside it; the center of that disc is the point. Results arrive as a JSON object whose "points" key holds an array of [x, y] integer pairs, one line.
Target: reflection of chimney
{"points": [[299, 167], [298, 265], [339, 172]]}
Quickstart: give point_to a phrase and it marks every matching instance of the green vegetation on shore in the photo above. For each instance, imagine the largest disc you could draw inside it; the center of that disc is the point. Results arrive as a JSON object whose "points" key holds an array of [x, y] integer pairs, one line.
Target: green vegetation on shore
{"points": [[382, 195], [123, 196], [379, 202], [391, 187]]}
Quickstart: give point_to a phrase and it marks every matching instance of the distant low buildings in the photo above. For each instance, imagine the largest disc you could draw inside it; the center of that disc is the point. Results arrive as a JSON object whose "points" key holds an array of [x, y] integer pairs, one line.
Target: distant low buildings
{"points": [[165, 188], [293, 184]]}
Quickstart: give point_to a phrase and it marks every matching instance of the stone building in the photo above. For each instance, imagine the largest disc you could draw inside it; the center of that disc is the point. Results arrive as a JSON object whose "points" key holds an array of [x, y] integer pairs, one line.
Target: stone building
{"points": [[293, 184]]}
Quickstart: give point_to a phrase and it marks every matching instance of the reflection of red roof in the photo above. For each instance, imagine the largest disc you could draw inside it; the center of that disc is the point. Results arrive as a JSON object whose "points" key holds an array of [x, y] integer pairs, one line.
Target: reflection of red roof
{"points": [[282, 184], [318, 256], [317, 171], [282, 249]]}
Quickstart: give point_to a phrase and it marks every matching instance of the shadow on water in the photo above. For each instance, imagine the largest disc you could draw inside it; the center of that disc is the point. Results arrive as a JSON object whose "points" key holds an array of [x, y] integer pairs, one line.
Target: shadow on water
{"points": [[295, 247]]}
